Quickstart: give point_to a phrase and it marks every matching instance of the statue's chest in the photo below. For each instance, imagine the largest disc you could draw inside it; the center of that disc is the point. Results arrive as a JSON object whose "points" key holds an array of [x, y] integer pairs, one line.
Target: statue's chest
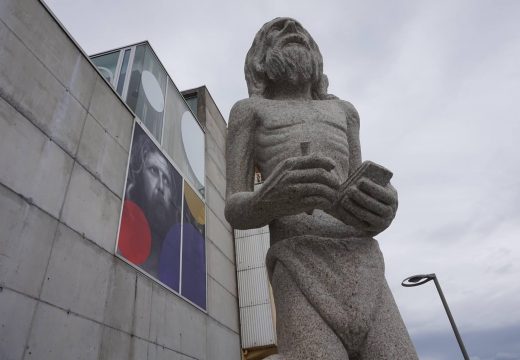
{"points": [[306, 122]]}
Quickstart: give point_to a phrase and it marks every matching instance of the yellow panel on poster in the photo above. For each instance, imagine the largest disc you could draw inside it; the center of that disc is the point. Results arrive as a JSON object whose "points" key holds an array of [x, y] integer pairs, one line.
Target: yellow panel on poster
{"points": [[195, 205]]}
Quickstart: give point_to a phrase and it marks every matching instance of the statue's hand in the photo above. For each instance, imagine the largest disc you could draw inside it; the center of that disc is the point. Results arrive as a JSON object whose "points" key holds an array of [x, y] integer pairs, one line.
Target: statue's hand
{"points": [[298, 184], [367, 206]]}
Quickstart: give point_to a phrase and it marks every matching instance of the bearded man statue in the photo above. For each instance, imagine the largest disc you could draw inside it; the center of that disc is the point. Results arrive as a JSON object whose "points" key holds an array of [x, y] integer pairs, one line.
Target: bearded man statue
{"points": [[326, 269]]}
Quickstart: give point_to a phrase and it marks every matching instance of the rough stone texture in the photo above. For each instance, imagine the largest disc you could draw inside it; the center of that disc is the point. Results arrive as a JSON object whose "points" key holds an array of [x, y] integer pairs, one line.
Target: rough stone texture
{"points": [[326, 270]]}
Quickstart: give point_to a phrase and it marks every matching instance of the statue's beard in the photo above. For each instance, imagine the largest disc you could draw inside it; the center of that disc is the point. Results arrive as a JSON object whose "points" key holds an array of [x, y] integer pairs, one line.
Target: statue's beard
{"points": [[293, 63]]}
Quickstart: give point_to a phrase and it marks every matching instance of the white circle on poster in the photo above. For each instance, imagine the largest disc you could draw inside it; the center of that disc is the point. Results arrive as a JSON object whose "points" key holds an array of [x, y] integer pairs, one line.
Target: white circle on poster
{"points": [[193, 140], [152, 90]]}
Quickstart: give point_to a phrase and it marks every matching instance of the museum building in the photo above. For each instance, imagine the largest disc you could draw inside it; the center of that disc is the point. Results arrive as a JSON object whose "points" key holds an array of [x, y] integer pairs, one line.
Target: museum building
{"points": [[113, 240]]}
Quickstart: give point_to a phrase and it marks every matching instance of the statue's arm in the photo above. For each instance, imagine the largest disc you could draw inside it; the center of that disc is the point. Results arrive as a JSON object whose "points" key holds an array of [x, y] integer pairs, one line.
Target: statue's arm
{"points": [[367, 205], [240, 167]]}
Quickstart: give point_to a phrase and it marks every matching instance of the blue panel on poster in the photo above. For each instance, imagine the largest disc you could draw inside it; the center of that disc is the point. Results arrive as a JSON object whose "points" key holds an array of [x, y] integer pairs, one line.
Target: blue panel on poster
{"points": [[169, 260], [193, 266]]}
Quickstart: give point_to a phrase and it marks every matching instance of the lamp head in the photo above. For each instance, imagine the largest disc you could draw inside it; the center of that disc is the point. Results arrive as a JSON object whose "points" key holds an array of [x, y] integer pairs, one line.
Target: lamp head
{"points": [[416, 280]]}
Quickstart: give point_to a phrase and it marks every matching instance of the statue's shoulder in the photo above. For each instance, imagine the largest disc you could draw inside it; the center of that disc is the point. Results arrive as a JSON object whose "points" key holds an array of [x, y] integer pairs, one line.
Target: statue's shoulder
{"points": [[244, 110], [243, 114], [350, 111]]}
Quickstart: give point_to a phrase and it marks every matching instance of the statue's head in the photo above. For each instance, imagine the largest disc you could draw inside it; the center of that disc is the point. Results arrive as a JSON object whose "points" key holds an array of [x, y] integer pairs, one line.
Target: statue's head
{"points": [[283, 51]]}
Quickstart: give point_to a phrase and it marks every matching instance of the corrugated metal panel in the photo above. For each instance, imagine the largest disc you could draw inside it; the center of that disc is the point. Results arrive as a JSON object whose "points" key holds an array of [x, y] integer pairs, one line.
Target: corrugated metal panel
{"points": [[256, 317], [251, 250], [253, 287], [250, 232], [257, 327]]}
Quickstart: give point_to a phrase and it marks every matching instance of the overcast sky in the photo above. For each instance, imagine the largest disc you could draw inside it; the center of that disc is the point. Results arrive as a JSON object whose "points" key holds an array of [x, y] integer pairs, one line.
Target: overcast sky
{"points": [[437, 86]]}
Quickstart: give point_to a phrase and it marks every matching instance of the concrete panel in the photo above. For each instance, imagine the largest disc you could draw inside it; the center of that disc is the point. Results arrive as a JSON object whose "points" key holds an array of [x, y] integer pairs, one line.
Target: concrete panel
{"points": [[103, 156], [222, 306], [91, 209], [221, 268], [215, 133], [72, 337], [16, 312], [223, 344], [193, 331], [48, 42], [216, 152], [29, 86], [119, 308], [220, 235], [215, 201], [143, 307], [115, 345], [78, 275], [215, 124], [109, 110], [158, 352], [216, 175], [138, 349], [31, 164], [165, 327], [26, 236]]}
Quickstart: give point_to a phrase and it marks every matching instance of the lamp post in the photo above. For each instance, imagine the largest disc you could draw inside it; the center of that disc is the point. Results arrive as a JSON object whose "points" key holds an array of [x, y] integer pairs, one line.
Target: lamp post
{"points": [[417, 280]]}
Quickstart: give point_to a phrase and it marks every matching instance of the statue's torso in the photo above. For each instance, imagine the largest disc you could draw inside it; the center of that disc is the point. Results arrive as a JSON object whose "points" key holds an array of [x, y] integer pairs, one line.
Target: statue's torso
{"points": [[280, 128]]}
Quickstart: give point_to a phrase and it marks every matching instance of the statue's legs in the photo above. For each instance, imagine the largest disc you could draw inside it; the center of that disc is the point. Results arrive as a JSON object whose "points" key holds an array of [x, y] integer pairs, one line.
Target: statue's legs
{"points": [[302, 333], [388, 338]]}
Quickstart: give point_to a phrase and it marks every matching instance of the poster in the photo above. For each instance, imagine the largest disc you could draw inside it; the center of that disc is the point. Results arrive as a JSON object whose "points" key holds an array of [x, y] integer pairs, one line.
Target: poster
{"points": [[150, 228]]}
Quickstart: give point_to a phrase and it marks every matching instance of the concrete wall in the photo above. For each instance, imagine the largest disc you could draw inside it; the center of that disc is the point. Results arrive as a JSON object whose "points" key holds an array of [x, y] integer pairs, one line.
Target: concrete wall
{"points": [[64, 142]]}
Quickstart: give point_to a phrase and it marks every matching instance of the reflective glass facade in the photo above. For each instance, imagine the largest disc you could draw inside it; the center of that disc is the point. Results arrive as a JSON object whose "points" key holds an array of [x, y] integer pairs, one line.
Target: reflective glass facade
{"points": [[162, 227], [141, 80]]}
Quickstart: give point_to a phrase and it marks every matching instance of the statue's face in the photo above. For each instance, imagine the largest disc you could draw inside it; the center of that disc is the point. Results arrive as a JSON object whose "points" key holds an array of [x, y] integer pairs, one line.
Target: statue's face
{"points": [[290, 54], [285, 32], [283, 51]]}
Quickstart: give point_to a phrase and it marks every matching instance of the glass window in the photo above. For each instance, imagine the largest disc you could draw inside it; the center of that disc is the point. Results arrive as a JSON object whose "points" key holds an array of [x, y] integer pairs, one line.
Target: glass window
{"points": [[193, 248], [107, 65], [184, 138], [146, 90], [135, 77], [122, 73]]}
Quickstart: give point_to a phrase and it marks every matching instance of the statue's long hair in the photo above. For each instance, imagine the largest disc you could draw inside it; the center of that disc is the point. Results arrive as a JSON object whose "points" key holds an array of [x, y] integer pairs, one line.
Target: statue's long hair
{"points": [[256, 74]]}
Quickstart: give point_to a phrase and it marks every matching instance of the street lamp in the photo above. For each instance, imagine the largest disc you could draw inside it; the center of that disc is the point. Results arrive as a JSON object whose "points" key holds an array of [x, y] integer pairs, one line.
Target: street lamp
{"points": [[417, 280]]}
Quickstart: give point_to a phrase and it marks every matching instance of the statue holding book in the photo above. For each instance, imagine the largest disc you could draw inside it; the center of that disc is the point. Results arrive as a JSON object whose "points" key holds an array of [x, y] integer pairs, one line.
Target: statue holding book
{"points": [[322, 203]]}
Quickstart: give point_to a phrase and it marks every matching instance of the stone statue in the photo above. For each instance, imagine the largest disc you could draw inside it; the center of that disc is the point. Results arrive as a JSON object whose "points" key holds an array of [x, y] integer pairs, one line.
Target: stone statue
{"points": [[326, 269]]}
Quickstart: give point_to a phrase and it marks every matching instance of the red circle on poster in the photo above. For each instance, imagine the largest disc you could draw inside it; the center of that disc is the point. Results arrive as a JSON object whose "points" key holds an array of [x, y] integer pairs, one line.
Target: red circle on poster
{"points": [[135, 238]]}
